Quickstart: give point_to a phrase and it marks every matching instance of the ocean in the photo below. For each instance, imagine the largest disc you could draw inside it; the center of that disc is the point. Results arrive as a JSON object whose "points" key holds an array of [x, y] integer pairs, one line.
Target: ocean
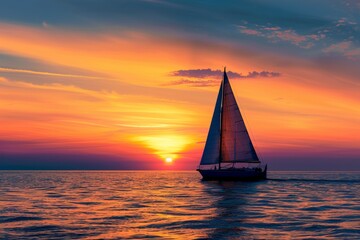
{"points": [[177, 205]]}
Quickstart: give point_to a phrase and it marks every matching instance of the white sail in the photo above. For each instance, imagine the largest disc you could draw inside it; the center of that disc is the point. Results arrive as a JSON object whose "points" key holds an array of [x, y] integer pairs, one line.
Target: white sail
{"points": [[211, 154], [236, 145]]}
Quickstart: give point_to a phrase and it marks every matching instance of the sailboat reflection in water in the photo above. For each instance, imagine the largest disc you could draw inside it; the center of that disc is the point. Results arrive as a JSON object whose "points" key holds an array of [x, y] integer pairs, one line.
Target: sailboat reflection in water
{"points": [[229, 152]]}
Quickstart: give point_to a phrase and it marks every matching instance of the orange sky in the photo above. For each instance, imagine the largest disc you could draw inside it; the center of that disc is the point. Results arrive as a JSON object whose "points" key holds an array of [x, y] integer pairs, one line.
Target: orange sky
{"points": [[112, 93]]}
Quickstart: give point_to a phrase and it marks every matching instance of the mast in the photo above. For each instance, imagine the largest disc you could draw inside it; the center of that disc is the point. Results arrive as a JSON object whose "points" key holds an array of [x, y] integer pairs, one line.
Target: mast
{"points": [[221, 117]]}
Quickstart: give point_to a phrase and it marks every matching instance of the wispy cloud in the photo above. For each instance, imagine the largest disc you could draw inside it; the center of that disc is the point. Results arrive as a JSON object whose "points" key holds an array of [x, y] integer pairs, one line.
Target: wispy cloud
{"points": [[208, 77], [194, 82], [339, 47], [338, 36], [344, 22], [276, 33], [14, 70], [345, 48]]}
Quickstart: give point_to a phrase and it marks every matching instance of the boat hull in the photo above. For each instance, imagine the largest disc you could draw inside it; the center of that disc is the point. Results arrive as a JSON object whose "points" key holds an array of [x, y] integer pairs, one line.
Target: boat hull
{"points": [[245, 174]]}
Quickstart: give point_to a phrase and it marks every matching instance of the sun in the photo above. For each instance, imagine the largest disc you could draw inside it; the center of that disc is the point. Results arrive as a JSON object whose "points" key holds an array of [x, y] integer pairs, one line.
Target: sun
{"points": [[168, 160]]}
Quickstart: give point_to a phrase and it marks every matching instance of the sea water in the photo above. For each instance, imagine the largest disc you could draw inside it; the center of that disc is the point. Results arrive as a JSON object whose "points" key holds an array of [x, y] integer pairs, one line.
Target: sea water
{"points": [[177, 205]]}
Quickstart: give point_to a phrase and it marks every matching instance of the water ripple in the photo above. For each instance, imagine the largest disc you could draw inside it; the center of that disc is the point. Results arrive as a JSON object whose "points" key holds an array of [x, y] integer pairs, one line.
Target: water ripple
{"points": [[177, 205]]}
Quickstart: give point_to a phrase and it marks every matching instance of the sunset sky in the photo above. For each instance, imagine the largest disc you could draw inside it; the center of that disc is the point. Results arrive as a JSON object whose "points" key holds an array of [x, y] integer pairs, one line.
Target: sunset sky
{"points": [[126, 84]]}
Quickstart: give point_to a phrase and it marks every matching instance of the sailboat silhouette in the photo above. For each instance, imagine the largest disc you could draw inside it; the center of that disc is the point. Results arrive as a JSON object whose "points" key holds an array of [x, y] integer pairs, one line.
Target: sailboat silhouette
{"points": [[228, 142]]}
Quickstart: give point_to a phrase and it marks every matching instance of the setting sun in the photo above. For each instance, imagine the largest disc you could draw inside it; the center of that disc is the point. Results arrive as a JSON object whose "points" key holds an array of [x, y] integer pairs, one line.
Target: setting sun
{"points": [[165, 146]]}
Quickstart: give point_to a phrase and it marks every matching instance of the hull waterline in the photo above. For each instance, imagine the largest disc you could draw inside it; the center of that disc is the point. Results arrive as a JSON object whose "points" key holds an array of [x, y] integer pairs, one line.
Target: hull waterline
{"points": [[234, 174]]}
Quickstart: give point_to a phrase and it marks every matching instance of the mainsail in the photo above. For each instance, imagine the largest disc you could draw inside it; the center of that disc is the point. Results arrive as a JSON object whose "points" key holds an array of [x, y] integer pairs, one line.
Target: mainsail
{"points": [[228, 139]]}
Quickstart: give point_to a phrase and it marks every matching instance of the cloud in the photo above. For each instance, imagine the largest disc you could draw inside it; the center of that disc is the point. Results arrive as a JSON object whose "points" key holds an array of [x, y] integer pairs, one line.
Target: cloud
{"points": [[265, 74], [208, 77], [329, 34], [194, 83], [251, 32], [203, 73], [45, 24], [344, 22], [289, 35], [338, 47], [276, 33], [345, 48], [14, 70]]}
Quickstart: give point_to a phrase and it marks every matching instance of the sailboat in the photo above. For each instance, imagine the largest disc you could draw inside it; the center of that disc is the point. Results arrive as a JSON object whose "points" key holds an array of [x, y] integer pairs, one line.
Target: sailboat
{"points": [[229, 153]]}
